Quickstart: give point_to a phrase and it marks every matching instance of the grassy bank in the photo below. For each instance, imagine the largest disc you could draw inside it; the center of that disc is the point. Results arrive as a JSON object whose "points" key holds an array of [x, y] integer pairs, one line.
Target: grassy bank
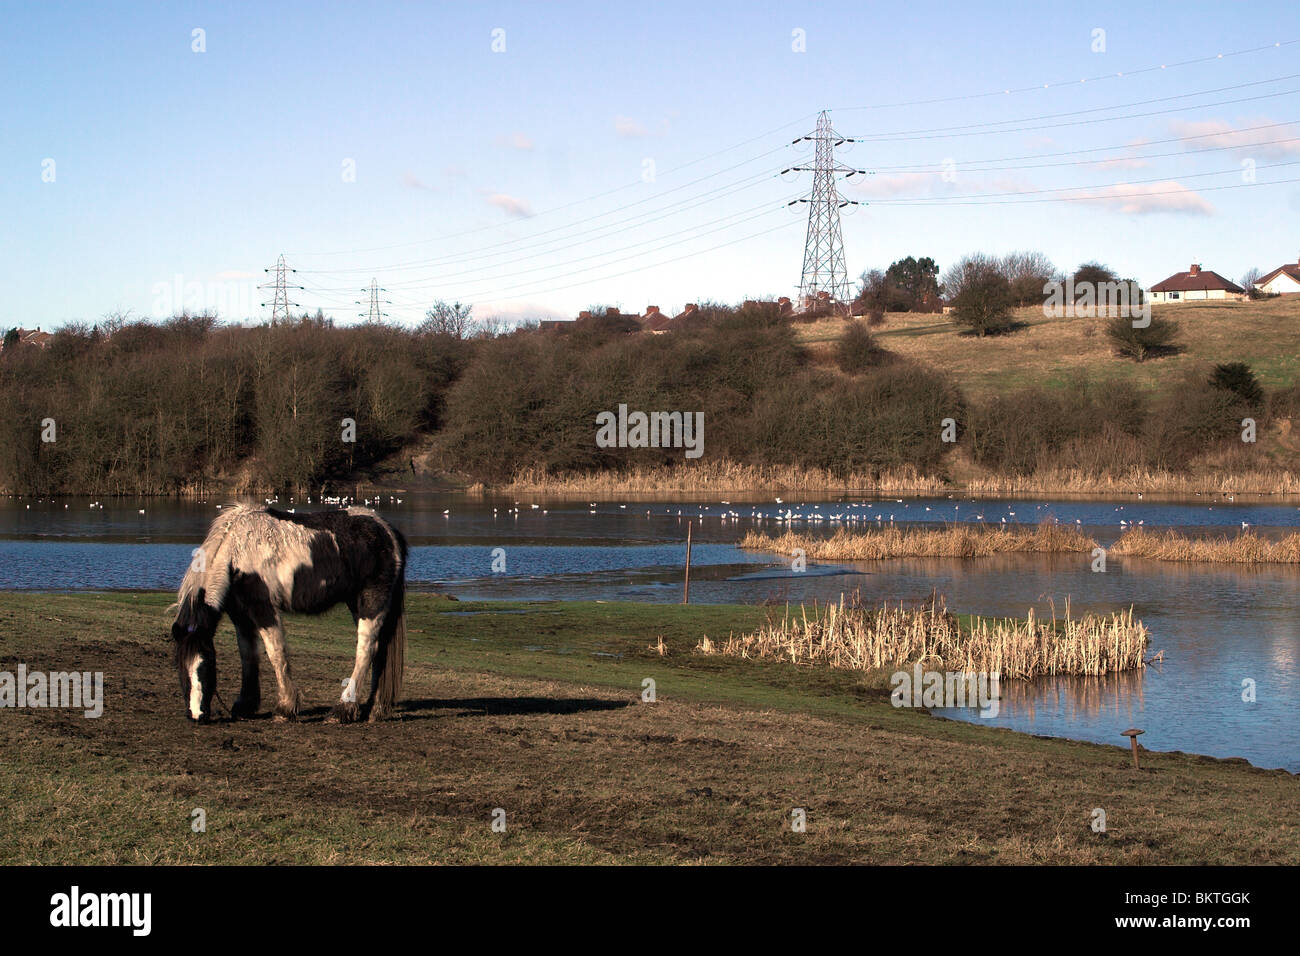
{"points": [[537, 709]]}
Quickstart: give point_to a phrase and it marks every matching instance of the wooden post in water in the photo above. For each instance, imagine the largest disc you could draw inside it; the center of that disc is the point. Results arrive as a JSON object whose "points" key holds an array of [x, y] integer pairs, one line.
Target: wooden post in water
{"points": [[686, 595]]}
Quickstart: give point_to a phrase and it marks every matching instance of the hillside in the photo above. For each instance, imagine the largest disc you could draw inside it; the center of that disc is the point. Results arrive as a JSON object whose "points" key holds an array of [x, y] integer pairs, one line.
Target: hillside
{"points": [[1047, 351]]}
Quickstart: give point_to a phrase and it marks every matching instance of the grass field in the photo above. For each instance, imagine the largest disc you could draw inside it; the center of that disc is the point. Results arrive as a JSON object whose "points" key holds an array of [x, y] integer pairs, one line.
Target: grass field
{"points": [[1049, 351], [536, 709]]}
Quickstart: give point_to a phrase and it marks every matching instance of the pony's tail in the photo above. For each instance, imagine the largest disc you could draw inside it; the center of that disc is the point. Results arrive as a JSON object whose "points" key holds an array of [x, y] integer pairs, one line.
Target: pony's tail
{"points": [[392, 652]]}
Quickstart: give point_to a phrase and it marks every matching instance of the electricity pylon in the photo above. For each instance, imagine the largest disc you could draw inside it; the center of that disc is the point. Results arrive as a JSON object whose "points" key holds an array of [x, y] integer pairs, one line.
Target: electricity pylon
{"points": [[374, 315], [823, 253], [280, 300]]}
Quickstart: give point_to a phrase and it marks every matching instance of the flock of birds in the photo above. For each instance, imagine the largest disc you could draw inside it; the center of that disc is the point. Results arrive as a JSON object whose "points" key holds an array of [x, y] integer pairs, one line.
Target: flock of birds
{"points": [[851, 514]]}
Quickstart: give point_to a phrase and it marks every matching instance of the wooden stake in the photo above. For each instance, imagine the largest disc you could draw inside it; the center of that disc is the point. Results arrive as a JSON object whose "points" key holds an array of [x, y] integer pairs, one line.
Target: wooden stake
{"points": [[1132, 735], [686, 596]]}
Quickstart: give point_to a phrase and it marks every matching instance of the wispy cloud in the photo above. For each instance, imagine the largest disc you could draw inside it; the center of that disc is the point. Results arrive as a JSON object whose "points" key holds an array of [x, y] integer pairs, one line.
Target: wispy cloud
{"points": [[632, 129], [1144, 199], [1218, 134], [512, 312], [516, 140], [519, 208], [412, 181]]}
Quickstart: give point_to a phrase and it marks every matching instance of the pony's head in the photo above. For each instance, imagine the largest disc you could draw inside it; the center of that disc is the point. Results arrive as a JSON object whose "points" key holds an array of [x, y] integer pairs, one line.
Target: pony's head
{"points": [[196, 658]]}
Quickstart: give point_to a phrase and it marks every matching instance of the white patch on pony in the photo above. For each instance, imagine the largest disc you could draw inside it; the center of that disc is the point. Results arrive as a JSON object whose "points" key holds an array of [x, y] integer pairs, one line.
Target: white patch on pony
{"points": [[367, 643], [196, 688]]}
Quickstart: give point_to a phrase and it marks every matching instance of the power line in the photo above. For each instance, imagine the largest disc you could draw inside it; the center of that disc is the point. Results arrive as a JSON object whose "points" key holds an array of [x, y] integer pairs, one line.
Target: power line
{"points": [[485, 252], [904, 136], [1066, 84], [987, 201], [977, 165]]}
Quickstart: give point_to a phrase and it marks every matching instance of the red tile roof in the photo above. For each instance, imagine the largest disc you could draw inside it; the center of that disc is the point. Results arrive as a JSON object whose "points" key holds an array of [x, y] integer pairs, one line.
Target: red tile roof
{"points": [[1196, 280], [1291, 269]]}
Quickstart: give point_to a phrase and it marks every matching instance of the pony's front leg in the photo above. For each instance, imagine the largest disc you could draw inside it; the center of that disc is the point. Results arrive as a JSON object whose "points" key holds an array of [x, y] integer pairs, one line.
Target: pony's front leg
{"points": [[250, 687], [290, 700], [347, 710]]}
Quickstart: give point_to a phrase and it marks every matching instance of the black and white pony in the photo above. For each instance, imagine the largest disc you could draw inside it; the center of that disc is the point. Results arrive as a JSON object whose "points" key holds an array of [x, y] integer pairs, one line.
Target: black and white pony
{"points": [[258, 563]]}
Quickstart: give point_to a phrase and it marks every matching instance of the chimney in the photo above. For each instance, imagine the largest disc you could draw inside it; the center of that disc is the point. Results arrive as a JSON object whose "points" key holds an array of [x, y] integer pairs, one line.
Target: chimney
{"points": [[823, 295], [784, 300], [690, 309], [584, 314], [611, 310], [651, 309], [1195, 269]]}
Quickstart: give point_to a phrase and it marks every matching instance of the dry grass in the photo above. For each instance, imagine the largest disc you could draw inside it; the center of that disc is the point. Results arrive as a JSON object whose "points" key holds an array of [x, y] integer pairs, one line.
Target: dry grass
{"points": [[1243, 548], [856, 637], [1047, 351], [958, 540]]}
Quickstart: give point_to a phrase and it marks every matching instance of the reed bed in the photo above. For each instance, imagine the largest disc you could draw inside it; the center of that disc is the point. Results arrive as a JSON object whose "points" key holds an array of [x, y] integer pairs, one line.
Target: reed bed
{"points": [[718, 476], [1215, 481], [1245, 547], [955, 540], [733, 476], [856, 637]]}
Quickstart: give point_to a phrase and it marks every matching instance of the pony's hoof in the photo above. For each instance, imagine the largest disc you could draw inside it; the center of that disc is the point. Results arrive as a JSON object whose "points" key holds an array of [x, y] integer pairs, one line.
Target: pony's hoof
{"points": [[377, 714], [242, 709], [345, 712], [285, 712]]}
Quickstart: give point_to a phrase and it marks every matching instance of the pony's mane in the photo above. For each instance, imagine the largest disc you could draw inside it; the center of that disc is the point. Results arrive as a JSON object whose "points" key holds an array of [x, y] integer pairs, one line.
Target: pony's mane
{"points": [[210, 580]]}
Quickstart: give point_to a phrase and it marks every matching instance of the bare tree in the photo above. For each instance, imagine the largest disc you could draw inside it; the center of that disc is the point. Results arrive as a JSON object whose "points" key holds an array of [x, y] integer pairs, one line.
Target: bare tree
{"points": [[1250, 281], [1028, 273], [446, 318]]}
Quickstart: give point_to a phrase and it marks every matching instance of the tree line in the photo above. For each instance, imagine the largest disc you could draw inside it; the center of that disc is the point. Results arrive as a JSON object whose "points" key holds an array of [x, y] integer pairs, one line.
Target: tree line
{"points": [[190, 405]]}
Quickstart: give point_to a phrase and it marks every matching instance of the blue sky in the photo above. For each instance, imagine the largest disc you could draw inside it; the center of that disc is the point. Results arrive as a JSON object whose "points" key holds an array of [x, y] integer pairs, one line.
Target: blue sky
{"points": [[621, 153]]}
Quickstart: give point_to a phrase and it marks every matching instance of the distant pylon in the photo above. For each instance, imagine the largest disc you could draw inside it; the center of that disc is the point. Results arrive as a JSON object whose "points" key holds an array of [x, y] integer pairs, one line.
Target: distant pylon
{"points": [[374, 315], [280, 300], [823, 253]]}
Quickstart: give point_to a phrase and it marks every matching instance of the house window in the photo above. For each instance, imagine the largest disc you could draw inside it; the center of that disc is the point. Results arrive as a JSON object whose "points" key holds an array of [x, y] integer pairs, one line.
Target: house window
{"points": [[1173, 295]]}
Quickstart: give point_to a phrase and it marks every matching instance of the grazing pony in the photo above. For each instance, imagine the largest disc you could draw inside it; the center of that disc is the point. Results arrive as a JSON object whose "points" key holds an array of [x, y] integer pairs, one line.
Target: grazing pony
{"points": [[256, 564]]}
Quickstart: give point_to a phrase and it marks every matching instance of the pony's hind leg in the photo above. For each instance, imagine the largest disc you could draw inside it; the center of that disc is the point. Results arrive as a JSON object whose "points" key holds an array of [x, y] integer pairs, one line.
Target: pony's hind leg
{"points": [[347, 710], [273, 640], [250, 687]]}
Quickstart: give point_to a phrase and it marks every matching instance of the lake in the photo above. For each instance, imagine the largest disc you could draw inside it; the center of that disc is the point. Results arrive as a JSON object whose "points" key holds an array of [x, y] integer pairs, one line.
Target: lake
{"points": [[1219, 625]]}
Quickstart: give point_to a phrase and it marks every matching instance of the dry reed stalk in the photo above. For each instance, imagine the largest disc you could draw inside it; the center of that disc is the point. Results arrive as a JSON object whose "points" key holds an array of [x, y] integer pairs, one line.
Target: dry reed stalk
{"points": [[892, 541], [1243, 548], [860, 638]]}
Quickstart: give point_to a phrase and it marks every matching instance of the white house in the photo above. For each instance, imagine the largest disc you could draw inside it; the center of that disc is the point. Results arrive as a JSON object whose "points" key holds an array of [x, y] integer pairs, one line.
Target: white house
{"points": [[1282, 279], [1194, 285]]}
